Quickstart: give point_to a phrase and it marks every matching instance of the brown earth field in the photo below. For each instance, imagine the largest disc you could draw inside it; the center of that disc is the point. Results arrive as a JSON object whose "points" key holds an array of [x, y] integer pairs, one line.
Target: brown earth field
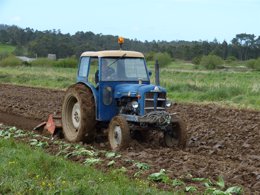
{"points": [[221, 141]]}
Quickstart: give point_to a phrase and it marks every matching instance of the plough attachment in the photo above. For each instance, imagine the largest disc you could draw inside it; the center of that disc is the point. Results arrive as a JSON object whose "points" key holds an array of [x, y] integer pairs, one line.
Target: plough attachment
{"points": [[52, 125]]}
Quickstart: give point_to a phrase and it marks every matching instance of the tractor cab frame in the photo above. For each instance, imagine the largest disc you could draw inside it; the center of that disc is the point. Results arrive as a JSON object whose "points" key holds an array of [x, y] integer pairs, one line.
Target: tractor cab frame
{"points": [[103, 71]]}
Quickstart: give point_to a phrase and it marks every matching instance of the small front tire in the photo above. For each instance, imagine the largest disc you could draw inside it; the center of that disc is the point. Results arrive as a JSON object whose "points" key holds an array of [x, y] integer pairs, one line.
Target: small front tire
{"points": [[176, 136], [119, 133]]}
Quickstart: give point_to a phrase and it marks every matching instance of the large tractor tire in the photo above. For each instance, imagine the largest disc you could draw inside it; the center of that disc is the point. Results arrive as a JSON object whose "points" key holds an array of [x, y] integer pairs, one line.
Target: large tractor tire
{"points": [[176, 136], [119, 133], [78, 114]]}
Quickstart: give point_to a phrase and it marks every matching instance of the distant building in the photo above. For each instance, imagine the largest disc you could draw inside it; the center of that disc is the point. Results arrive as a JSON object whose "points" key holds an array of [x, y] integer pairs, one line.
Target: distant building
{"points": [[25, 59], [52, 56]]}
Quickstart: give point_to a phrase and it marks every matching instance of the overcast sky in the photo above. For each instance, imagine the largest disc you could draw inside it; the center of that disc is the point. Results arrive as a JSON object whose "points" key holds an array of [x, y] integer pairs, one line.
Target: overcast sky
{"points": [[141, 19]]}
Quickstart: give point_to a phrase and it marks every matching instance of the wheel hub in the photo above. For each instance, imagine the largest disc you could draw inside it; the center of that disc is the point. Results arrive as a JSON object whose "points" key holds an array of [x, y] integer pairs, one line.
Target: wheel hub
{"points": [[118, 135], [76, 115]]}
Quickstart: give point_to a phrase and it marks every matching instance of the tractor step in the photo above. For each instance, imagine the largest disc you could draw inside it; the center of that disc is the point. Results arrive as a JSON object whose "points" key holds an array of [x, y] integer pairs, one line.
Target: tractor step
{"points": [[53, 123]]}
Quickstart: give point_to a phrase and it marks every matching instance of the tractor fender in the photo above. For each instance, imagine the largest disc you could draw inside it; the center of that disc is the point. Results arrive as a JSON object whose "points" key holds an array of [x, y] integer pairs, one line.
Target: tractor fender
{"points": [[94, 92]]}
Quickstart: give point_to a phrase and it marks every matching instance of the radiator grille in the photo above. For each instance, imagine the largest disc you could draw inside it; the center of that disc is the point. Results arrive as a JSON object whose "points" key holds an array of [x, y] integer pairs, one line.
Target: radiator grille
{"points": [[154, 101]]}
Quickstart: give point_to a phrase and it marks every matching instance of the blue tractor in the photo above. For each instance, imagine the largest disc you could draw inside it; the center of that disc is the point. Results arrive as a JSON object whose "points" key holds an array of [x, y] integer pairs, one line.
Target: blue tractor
{"points": [[113, 92]]}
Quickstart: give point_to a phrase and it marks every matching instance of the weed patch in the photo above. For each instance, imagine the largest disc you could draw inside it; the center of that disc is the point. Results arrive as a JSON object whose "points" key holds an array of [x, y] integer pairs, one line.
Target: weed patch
{"points": [[11, 61]]}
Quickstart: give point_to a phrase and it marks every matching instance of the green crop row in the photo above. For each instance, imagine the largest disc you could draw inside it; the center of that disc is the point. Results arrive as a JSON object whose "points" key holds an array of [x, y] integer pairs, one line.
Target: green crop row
{"points": [[28, 170]]}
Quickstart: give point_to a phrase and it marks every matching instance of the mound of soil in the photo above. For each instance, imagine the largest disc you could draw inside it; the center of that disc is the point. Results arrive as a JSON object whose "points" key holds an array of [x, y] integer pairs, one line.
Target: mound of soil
{"points": [[221, 141]]}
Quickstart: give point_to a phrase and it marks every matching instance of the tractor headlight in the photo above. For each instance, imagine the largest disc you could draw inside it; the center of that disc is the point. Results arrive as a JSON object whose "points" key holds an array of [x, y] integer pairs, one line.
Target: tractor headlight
{"points": [[168, 103], [135, 104]]}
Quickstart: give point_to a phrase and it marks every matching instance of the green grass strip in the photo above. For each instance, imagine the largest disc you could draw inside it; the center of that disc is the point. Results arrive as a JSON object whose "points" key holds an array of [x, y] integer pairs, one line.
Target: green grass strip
{"points": [[27, 171], [236, 89]]}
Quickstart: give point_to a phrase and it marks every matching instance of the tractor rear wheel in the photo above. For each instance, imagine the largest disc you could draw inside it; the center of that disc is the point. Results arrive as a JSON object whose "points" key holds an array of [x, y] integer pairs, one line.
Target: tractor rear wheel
{"points": [[175, 136], [78, 114], [119, 133]]}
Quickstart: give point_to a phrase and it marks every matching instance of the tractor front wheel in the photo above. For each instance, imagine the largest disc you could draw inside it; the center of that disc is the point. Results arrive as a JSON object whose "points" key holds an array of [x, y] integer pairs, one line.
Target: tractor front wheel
{"points": [[175, 135], [78, 114], [119, 133]]}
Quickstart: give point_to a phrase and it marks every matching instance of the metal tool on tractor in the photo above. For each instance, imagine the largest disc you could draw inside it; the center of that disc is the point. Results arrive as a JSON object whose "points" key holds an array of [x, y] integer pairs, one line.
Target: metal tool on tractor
{"points": [[113, 91], [53, 124]]}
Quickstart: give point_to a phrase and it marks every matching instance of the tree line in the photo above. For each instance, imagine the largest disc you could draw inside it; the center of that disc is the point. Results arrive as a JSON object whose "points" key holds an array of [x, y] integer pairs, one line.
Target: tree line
{"points": [[40, 43]]}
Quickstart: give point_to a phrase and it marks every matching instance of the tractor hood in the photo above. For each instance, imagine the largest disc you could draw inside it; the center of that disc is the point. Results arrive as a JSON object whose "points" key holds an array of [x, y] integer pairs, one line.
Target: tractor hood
{"points": [[132, 90]]}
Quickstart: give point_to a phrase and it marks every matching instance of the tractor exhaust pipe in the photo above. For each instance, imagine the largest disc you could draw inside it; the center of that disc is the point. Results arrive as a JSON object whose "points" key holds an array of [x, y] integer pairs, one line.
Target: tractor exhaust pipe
{"points": [[157, 76]]}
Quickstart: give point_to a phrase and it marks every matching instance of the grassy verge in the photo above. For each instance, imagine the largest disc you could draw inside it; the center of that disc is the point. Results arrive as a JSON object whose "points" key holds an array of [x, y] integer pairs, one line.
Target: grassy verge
{"points": [[6, 48], [47, 77], [27, 171], [238, 89]]}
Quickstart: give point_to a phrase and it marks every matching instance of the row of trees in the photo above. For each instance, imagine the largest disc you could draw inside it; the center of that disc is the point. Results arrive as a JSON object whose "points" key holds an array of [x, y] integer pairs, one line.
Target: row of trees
{"points": [[33, 42]]}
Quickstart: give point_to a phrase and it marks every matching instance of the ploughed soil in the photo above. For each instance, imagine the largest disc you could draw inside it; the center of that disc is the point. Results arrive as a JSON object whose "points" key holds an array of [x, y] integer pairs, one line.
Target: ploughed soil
{"points": [[221, 141]]}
